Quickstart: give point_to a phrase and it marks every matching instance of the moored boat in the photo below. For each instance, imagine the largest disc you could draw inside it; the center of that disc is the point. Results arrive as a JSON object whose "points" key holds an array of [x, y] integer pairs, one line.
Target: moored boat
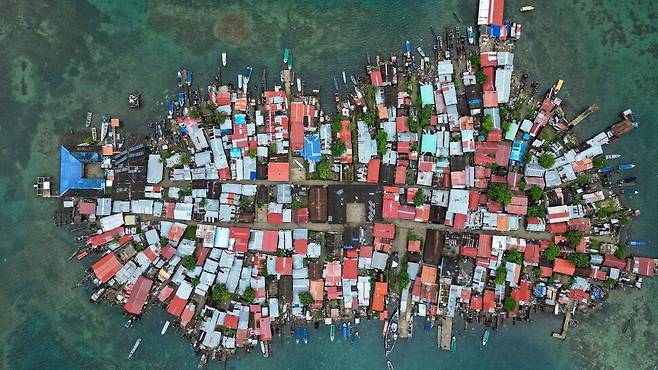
{"points": [[470, 34], [389, 364], [240, 81], [407, 47], [286, 53], [355, 338], [179, 79], [485, 338], [527, 8], [105, 127], [636, 243], [170, 109], [188, 78], [181, 98], [298, 335], [453, 344], [290, 62], [421, 52], [305, 335], [612, 156], [224, 59], [88, 120], [135, 346], [606, 169], [630, 192], [627, 181], [247, 75], [626, 166], [344, 78], [332, 332], [165, 327], [427, 325], [299, 85], [392, 332]]}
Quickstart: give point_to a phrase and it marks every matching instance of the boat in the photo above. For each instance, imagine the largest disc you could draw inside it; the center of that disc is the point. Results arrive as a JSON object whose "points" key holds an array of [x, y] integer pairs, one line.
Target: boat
{"points": [[485, 338], [179, 79], [128, 323], [627, 181], [626, 166], [628, 114], [247, 74], [240, 81], [137, 343], [427, 325], [298, 335], [612, 156], [344, 78], [88, 120], [82, 255], [188, 78], [346, 331], [421, 52], [630, 192], [627, 325], [606, 169], [305, 335], [263, 348], [224, 59], [407, 47], [170, 109], [299, 85], [105, 127], [355, 338], [527, 8], [165, 327], [290, 62], [353, 81], [453, 344], [392, 332], [332, 332], [635, 243], [335, 83], [470, 34], [181, 98], [286, 52]]}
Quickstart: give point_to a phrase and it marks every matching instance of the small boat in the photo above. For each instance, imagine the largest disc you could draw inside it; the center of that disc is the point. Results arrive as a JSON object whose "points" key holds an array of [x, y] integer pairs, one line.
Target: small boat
{"points": [[407, 47], [132, 351], [181, 98], [606, 169], [346, 331], [128, 323], [612, 156], [470, 34], [485, 338], [344, 78], [188, 78], [332, 332], [627, 325], [170, 109], [94, 133], [635, 212], [527, 8], [299, 85], [165, 327], [635, 243], [427, 325], [298, 335], [453, 344], [179, 79], [628, 114], [286, 53], [421, 52], [392, 333], [353, 81], [224, 59], [263, 348], [88, 120], [355, 338], [240, 81], [626, 166], [335, 83], [627, 181], [389, 365], [290, 62], [105, 127], [630, 192], [82, 255], [247, 74], [305, 335]]}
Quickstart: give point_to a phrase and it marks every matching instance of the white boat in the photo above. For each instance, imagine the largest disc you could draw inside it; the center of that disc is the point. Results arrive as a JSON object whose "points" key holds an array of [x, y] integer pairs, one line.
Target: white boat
{"points": [[94, 133], [263, 348], [132, 351], [224, 59], [88, 120], [299, 85], [165, 327], [470, 34], [527, 8], [105, 127], [344, 78], [240, 80], [612, 156]]}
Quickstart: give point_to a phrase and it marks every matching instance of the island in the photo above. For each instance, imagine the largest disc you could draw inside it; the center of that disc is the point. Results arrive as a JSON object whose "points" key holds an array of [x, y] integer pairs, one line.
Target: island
{"points": [[440, 185]]}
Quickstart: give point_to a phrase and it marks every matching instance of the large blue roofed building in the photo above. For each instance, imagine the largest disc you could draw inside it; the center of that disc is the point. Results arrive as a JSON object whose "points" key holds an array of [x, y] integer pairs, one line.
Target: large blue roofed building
{"points": [[72, 178], [312, 148]]}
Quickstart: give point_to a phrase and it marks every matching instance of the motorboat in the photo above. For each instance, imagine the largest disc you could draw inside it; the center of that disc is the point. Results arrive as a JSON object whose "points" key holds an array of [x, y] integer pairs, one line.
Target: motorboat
{"points": [[105, 127], [407, 47], [135, 346], [421, 52], [179, 79], [627, 181], [298, 335], [630, 192], [470, 34], [305, 335], [485, 338], [286, 53], [247, 74], [88, 120], [224, 59], [626, 166], [606, 169], [453, 344], [165, 327], [527, 8], [612, 156], [332, 332], [188, 78], [636, 243]]}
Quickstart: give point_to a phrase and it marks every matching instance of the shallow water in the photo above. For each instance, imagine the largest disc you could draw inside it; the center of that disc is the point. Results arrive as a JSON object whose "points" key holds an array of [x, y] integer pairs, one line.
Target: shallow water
{"points": [[62, 59]]}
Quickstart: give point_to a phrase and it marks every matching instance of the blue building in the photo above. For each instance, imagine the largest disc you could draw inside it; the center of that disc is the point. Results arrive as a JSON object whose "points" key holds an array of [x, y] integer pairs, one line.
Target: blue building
{"points": [[72, 180]]}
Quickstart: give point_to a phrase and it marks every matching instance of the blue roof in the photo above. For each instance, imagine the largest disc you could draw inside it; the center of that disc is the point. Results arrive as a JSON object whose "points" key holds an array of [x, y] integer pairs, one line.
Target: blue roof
{"points": [[312, 148], [518, 149], [70, 173], [427, 94], [240, 119]]}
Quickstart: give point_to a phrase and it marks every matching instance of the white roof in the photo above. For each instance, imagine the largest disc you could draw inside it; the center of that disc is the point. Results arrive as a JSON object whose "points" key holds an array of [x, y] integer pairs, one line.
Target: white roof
{"points": [[111, 222], [458, 201], [155, 169]]}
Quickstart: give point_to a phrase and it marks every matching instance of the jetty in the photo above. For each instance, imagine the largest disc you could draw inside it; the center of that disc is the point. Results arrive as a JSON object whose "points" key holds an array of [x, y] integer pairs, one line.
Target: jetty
{"points": [[584, 114], [562, 334], [445, 334]]}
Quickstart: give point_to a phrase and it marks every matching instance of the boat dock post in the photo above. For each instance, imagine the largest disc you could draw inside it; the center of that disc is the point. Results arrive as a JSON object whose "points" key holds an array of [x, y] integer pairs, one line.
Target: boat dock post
{"points": [[565, 327]]}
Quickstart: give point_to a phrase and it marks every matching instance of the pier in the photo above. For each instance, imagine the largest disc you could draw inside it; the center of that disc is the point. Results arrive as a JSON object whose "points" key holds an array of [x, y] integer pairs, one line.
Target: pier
{"points": [[445, 333], [584, 114], [565, 327]]}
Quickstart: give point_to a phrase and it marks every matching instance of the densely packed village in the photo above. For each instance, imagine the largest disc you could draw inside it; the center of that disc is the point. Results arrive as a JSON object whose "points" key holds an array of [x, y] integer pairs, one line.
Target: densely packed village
{"points": [[441, 186]]}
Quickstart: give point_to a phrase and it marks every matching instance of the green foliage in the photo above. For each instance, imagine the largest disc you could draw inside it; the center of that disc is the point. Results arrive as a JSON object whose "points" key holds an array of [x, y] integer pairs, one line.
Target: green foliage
{"points": [[536, 193], [324, 169], [190, 233], [500, 193], [273, 147], [547, 160], [425, 114], [595, 244], [90, 141], [523, 184], [481, 77], [514, 256], [574, 237], [486, 125], [189, 262], [381, 138], [185, 159], [621, 252], [296, 204], [336, 123], [196, 280], [337, 148], [536, 211], [527, 157], [419, 198], [220, 293], [218, 117], [140, 247], [537, 272], [412, 236], [599, 161], [579, 259], [509, 304], [252, 153], [194, 113], [505, 126], [413, 124], [249, 295], [610, 282], [403, 281], [306, 298], [500, 275], [371, 118], [551, 252], [244, 203], [582, 180]]}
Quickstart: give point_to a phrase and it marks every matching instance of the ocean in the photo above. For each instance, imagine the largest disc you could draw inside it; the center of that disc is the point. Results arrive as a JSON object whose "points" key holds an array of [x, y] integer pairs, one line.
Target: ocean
{"points": [[61, 59]]}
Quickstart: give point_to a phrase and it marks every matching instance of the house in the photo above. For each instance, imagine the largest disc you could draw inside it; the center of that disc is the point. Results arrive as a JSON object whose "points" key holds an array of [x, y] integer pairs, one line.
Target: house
{"points": [[278, 171], [317, 204], [76, 166], [563, 266], [381, 288]]}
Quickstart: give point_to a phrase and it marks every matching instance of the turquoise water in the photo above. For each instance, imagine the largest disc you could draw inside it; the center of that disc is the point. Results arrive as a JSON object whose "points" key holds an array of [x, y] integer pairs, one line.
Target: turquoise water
{"points": [[63, 58]]}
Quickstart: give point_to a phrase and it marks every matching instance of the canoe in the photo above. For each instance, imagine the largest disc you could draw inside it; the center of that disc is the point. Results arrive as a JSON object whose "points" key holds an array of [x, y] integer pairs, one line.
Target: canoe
{"points": [[332, 332], [286, 53], [305, 335], [485, 337]]}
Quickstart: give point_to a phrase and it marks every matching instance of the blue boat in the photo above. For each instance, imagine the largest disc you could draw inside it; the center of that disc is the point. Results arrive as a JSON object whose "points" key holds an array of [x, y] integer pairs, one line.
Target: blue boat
{"points": [[247, 74], [179, 79], [630, 192], [355, 338], [626, 166], [427, 325], [636, 243], [181, 98], [188, 78], [407, 47], [346, 331], [606, 169], [305, 335], [298, 335]]}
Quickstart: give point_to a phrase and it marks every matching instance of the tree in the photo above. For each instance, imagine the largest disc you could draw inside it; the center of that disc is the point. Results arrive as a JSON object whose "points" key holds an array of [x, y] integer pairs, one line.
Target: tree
{"points": [[306, 298], [425, 114], [551, 252], [220, 293], [185, 159], [296, 204], [273, 147], [621, 252], [189, 262], [610, 282], [337, 148], [536, 193], [336, 123], [249, 295], [196, 280], [500, 275], [547, 160], [413, 124], [536, 211], [194, 113], [599, 161], [523, 184], [486, 125], [381, 139], [419, 198], [514, 256], [252, 153], [324, 169], [574, 237], [500, 193], [581, 260], [509, 304], [481, 77], [403, 282], [527, 157], [244, 203], [582, 180]]}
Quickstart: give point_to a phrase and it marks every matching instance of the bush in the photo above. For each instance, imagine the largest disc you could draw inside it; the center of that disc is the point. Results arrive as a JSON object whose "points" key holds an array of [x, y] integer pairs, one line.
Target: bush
{"points": [[249, 295], [336, 123], [403, 282], [509, 304], [523, 184], [536, 211], [500, 275], [581, 260], [536, 193], [574, 237], [514, 256], [381, 138], [324, 169], [220, 293], [547, 160], [486, 125], [500, 193], [621, 252], [189, 262], [252, 153], [337, 148], [551, 252], [306, 298], [413, 124], [599, 161], [419, 198]]}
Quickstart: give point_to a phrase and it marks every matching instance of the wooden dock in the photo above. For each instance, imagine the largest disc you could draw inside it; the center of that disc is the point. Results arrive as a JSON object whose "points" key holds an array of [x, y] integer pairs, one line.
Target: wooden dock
{"points": [[445, 333], [565, 327], [592, 108]]}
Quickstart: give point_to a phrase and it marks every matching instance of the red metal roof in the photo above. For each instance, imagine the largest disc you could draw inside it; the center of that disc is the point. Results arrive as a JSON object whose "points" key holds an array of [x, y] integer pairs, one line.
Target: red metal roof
{"points": [[476, 302], [390, 208], [489, 302], [176, 306], [373, 170], [386, 231], [270, 240], [381, 288], [265, 328], [484, 245], [106, 237], [531, 254], [496, 8], [644, 266], [138, 297], [610, 260], [278, 171], [563, 266], [284, 265], [468, 251], [376, 77], [106, 267], [350, 269]]}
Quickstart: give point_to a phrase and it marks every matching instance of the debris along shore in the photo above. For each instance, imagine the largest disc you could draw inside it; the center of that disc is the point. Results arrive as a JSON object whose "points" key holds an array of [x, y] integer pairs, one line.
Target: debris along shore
{"points": [[441, 187]]}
